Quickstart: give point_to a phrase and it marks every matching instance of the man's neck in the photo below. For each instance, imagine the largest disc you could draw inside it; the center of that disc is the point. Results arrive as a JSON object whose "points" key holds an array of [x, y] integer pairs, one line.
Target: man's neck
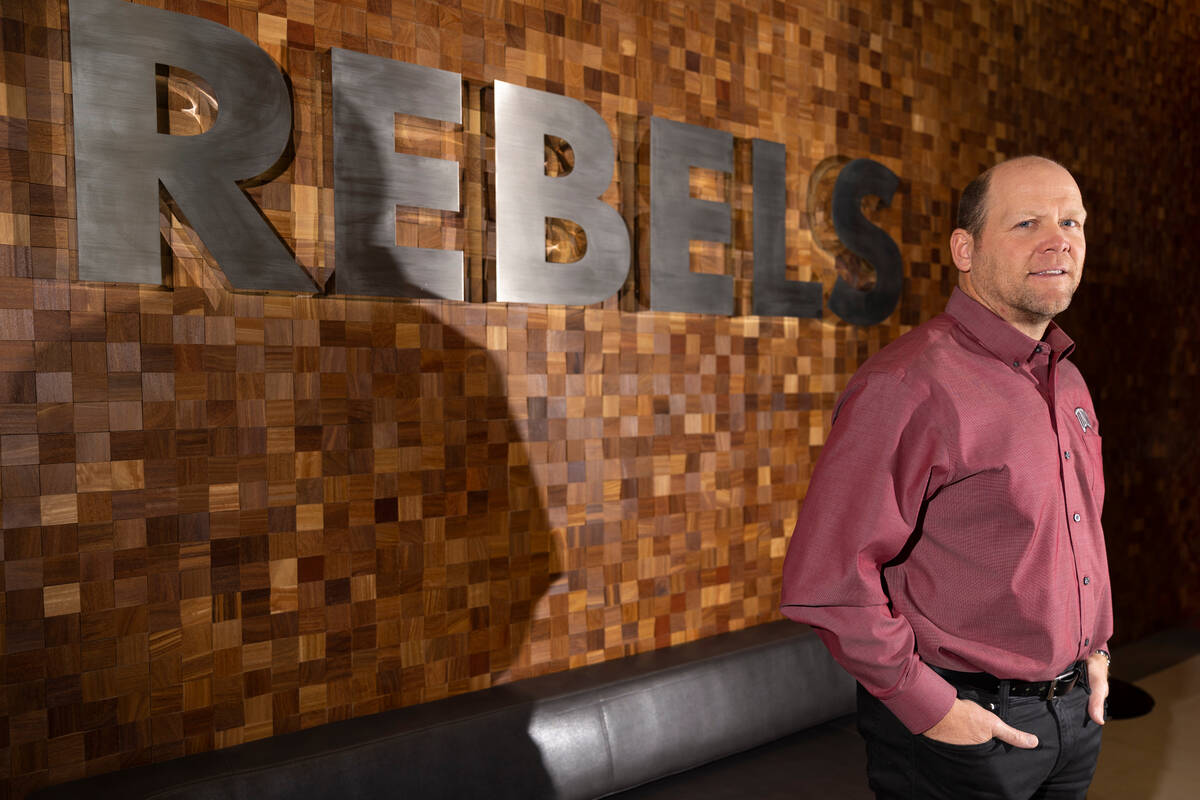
{"points": [[1032, 326]]}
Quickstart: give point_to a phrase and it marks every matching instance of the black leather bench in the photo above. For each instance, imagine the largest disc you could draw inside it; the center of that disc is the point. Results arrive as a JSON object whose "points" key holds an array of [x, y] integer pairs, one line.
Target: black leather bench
{"points": [[657, 725]]}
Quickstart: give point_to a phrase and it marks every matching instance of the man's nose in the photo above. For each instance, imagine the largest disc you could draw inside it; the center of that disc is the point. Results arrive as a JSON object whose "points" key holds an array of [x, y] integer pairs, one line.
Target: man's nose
{"points": [[1058, 244]]}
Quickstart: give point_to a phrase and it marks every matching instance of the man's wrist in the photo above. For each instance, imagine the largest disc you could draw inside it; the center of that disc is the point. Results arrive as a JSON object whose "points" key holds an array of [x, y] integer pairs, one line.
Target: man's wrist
{"points": [[1100, 651]]}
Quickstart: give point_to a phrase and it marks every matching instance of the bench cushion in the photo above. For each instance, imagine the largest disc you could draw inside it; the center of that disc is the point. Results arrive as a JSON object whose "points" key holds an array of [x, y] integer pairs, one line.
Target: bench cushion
{"points": [[583, 733]]}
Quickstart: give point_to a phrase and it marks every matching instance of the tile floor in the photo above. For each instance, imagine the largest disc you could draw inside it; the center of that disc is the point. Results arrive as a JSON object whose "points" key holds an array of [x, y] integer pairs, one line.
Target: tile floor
{"points": [[1156, 756]]}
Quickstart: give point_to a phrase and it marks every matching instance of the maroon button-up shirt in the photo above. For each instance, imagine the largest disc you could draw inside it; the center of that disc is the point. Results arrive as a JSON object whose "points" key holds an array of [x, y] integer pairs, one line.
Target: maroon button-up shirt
{"points": [[953, 518]]}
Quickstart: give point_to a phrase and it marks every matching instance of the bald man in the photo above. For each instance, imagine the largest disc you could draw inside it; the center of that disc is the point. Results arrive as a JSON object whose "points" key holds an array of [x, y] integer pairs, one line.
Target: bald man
{"points": [[949, 550]]}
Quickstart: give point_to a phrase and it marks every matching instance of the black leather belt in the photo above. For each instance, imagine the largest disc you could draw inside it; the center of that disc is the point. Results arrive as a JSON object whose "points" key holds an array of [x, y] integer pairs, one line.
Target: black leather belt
{"points": [[986, 682]]}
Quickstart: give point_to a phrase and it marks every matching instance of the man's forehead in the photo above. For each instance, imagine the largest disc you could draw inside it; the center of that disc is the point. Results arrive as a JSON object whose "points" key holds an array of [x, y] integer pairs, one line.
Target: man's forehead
{"points": [[1041, 200], [1033, 172], [1031, 185]]}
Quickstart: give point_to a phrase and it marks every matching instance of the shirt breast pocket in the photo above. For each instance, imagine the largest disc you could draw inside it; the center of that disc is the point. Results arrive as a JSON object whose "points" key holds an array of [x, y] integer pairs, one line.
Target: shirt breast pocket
{"points": [[1081, 419], [1093, 444]]}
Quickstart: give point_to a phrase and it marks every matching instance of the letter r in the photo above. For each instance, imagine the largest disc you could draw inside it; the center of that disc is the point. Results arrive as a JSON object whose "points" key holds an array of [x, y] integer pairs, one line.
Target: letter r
{"points": [[120, 157]]}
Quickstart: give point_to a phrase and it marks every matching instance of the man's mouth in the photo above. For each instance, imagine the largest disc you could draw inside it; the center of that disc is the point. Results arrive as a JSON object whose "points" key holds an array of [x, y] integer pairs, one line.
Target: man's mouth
{"points": [[1049, 272]]}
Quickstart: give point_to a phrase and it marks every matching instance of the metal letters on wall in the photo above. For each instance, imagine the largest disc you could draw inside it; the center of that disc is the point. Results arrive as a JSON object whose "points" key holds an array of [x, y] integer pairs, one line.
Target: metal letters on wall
{"points": [[526, 196], [676, 217], [120, 157], [370, 178]]}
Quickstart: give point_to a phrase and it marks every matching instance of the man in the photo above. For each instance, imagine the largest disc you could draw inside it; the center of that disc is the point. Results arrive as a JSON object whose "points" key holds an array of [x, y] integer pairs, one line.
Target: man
{"points": [[949, 551]]}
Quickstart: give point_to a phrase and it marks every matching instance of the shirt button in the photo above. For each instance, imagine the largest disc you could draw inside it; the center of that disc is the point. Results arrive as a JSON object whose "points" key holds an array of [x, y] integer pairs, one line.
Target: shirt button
{"points": [[1087, 642], [1016, 364], [1077, 518], [1086, 580], [1067, 455], [1038, 349]]}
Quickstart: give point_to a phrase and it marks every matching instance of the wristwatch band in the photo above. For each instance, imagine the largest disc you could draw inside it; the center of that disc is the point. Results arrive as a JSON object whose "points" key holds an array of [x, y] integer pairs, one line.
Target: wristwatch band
{"points": [[1107, 655]]}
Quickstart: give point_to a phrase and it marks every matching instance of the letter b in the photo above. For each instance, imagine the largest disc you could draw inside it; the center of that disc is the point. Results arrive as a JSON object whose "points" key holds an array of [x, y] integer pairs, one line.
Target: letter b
{"points": [[526, 196]]}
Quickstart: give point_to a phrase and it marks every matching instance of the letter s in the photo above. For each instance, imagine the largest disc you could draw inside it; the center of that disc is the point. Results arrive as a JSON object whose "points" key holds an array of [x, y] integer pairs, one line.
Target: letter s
{"points": [[859, 178]]}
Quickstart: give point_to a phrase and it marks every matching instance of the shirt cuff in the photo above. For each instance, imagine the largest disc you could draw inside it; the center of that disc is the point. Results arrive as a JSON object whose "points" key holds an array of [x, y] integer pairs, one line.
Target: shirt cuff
{"points": [[922, 703]]}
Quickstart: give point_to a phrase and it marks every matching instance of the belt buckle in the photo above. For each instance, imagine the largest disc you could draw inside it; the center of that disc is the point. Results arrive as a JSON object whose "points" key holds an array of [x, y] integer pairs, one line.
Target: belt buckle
{"points": [[1071, 678]]}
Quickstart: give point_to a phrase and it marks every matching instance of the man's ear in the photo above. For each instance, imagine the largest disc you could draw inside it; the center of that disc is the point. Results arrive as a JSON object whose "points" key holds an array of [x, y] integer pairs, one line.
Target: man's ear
{"points": [[962, 249]]}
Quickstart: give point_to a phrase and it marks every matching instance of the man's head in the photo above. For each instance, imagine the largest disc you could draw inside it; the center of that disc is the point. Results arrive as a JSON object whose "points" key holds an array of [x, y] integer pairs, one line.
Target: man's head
{"points": [[1019, 246]]}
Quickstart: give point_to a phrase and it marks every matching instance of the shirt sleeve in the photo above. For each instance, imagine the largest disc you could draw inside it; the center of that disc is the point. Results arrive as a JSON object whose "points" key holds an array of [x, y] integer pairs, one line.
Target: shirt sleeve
{"points": [[884, 455], [1103, 628], [1104, 623]]}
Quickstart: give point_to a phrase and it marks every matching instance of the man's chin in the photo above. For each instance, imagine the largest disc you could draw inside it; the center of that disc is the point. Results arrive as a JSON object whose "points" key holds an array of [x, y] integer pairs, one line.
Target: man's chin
{"points": [[1047, 308]]}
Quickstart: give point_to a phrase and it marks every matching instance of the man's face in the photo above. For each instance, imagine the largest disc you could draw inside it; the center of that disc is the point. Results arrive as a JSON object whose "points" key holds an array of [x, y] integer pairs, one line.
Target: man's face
{"points": [[1028, 261]]}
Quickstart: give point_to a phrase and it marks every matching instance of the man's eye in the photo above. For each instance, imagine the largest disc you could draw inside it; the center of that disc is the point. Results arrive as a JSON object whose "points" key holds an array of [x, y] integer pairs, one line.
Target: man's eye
{"points": [[1070, 223], [1025, 224]]}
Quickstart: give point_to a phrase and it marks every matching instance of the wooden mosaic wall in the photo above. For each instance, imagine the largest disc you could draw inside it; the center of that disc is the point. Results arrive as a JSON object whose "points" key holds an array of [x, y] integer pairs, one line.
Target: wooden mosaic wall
{"points": [[229, 515]]}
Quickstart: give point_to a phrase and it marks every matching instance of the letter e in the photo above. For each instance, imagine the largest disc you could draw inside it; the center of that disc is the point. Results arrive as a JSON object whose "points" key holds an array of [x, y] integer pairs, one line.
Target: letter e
{"points": [[676, 218], [370, 178]]}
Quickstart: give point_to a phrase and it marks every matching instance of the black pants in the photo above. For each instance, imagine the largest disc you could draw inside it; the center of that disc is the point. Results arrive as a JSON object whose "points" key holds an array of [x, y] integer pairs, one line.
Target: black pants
{"points": [[906, 766]]}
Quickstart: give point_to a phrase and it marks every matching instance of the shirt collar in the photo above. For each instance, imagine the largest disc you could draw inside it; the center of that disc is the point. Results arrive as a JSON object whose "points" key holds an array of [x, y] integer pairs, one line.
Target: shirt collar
{"points": [[999, 337]]}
